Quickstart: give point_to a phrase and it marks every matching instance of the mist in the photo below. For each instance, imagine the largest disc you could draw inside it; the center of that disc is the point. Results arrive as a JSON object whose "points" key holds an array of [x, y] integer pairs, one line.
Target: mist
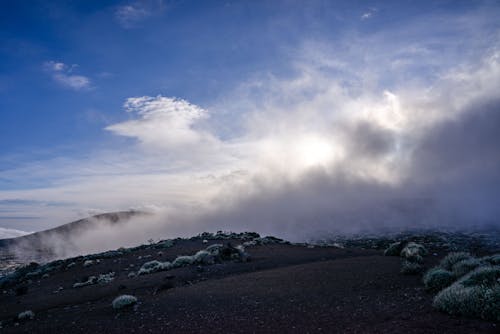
{"points": [[311, 159]]}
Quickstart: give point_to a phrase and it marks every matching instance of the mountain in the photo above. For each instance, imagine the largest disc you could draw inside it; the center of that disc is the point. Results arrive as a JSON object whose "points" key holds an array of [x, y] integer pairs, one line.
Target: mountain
{"points": [[36, 242]]}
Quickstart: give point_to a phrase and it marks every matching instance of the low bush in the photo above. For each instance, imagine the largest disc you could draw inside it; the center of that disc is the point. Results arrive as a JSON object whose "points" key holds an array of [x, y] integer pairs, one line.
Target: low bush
{"points": [[26, 315], [449, 260], [414, 252], [88, 263], [437, 279], [183, 260], [154, 266], [477, 294], [101, 279], [485, 275], [463, 267], [204, 257], [394, 249], [90, 281], [124, 301], [492, 259]]}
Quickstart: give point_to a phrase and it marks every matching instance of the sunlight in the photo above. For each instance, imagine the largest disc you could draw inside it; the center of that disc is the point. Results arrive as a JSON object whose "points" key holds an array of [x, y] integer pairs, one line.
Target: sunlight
{"points": [[313, 150]]}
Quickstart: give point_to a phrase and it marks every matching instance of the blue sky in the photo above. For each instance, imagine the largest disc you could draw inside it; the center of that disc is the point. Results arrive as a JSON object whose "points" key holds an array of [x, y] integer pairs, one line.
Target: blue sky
{"points": [[248, 73]]}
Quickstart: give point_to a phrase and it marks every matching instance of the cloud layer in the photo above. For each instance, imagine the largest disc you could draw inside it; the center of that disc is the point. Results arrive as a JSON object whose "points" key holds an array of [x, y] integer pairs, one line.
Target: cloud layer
{"points": [[336, 161], [365, 135]]}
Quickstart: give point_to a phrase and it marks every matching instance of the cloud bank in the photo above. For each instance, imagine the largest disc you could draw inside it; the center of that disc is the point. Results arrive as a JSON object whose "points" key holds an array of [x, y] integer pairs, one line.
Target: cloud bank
{"points": [[347, 141], [335, 162]]}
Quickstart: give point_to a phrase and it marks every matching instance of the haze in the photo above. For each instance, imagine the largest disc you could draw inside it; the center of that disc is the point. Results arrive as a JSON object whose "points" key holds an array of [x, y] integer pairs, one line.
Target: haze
{"points": [[293, 118]]}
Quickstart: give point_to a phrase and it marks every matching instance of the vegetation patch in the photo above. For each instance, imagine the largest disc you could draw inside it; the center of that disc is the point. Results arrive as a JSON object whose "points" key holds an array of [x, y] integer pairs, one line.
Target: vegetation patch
{"points": [[451, 259], [475, 295], [124, 301], [26, 315], [101, 279], [395, 248], [463, 267], [153, 266], [438, 278]]}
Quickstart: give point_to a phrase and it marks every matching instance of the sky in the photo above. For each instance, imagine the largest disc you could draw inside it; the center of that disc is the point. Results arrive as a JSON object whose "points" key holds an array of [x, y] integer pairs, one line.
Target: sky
{"points": [[287, 117]]}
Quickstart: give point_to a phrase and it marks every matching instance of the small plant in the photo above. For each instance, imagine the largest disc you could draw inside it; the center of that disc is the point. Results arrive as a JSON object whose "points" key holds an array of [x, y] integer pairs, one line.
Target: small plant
{"points": [[242, 255], [26, 315], [204, 257], [102, 279], [165, 244], [106, 278], [88, 263], [437, 279], [394, 249], [486, 276], [413, 252], [463, 267], [90, 281], [124, 301], [449, 260], [492, 259], [477, 294], [154, 266], [183, 260]]}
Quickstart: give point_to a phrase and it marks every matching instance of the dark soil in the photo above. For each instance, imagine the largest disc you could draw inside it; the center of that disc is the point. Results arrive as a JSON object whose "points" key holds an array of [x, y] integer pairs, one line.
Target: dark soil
{"points": [[283, 289]]}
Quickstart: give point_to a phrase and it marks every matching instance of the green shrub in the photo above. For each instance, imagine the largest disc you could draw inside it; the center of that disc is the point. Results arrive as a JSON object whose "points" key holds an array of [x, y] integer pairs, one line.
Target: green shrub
{"points": [[492, 259], [124, 301], [463, 267], [477, 294], [26, 315], [394, 249], [459, 300], [154, 266], [449, 260], [204, 257], [437, 279], [183, 260], [413, 252], [485, 275]]}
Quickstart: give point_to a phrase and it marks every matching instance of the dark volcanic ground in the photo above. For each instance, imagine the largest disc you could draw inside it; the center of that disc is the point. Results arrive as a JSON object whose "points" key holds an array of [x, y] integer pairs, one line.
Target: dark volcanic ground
{"points": [[283, 289]]}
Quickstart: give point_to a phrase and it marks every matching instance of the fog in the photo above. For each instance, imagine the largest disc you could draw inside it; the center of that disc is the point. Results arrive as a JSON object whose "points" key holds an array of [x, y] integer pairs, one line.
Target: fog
{"points": [[311, 158]]}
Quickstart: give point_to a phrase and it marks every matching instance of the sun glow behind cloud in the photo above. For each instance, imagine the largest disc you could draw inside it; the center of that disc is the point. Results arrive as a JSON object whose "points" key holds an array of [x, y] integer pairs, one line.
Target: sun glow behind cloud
{"points": [[180, 163], [353, 135]]}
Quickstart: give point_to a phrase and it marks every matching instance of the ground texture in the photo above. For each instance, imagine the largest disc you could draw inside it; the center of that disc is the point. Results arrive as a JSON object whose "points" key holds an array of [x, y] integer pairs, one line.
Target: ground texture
{"points": [[283, 289]]}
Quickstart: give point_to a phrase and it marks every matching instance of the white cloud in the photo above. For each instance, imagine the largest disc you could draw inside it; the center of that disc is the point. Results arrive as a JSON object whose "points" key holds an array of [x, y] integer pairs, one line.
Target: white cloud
{"points": [[63, 74], [360, 144], [128, 16], [368, 14], [164, 122], [339, 142]]}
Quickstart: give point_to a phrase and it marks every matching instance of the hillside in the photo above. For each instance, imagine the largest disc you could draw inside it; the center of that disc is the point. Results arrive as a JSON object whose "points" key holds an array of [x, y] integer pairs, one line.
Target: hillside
{"points": [[268, 286]]}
